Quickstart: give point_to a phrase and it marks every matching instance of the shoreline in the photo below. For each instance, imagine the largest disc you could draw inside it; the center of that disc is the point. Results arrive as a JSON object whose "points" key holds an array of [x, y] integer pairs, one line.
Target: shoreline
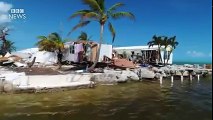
{"points": [[30, 80]]}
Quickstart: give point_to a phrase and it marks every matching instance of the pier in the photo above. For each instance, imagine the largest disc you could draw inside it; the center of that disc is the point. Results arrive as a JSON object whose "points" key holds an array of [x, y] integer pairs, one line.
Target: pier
{"points": [[187, 73]]}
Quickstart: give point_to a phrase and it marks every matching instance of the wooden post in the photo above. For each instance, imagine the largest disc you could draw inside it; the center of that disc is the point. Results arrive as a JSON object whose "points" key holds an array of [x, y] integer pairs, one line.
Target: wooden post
{"points": [[198, 77], [190, 74], [198, 73], [181, 78], [182, 72], [172, 76], [172, 79], [161, 80]]}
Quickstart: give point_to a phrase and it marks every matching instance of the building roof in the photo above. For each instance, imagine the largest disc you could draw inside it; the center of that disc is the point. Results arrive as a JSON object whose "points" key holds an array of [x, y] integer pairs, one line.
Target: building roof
{"points": [[136, 48]]}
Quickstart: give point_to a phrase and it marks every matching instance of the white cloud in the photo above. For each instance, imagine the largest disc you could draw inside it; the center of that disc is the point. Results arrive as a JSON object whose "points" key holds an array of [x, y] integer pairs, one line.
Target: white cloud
{"points": [[195, 54], [4, 18], [4, 11]]}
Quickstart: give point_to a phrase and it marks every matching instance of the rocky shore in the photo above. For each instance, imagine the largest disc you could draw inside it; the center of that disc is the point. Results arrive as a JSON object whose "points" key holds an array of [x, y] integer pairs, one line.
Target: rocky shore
{"points": [[48, 79]]}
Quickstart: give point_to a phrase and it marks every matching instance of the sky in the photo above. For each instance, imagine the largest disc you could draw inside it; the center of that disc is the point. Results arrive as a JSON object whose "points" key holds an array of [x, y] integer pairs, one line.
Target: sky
{"points": [[189, 20]]}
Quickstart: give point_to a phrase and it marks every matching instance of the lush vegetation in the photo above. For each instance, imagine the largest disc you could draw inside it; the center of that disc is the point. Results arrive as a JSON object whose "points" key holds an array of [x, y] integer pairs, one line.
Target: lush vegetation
{"points": [[52, 43], [163, 43], [6, 45], [84, 36]]}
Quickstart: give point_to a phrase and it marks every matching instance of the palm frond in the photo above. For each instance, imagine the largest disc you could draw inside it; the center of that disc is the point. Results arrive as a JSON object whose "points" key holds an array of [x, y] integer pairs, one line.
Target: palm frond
{"points": [[93, 4], [101, 3], [119, 15], [91, 15], [112, 30], [83, 36], [9, 46], [81, 24], [55, 37], [41, 37], [79, 13], [151, 44], [115, 7]]}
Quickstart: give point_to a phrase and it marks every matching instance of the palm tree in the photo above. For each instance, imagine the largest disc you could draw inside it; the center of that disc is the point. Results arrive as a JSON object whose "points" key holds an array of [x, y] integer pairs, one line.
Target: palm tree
{"points": [[3, 34], [97, 12], [172, 41], [156, 40], [52, 43], [165, 43], [9, 46], [84, 36]]}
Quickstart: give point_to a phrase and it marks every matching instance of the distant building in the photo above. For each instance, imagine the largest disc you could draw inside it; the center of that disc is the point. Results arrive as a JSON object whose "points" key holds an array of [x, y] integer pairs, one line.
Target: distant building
{"points": [[149, 55]]}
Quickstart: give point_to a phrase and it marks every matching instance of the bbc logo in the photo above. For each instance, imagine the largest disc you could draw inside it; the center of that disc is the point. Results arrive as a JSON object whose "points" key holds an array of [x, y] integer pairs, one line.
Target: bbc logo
{"points": [[17, 11]]}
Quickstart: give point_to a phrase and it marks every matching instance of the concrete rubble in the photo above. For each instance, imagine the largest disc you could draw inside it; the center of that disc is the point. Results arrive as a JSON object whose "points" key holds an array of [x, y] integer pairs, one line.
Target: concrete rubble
{"points": [[113, 76], [11, 81]]}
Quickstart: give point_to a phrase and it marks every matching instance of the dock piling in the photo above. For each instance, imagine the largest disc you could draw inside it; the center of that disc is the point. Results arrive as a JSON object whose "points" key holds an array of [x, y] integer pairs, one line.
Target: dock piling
{"points": [[161, 80], [198, 77], [182, 72], [172, 79], [181, 78]]}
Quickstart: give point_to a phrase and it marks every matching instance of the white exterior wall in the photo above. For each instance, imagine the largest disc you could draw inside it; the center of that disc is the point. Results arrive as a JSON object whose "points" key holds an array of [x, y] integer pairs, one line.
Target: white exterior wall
{"points": [[170, 59], [43, 57], [106, 50]]}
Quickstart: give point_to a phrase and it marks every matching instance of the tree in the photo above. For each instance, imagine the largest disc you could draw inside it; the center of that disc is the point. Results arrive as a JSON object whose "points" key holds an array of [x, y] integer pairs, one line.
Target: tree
{"points": [[173, 43], [84, 36], [165, 43], [157, 40], [52, 43], [9, 46], [3, 34], [97, 12]]}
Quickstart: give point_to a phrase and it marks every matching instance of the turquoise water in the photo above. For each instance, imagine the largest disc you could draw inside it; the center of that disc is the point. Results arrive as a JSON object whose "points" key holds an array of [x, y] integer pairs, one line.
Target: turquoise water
{"points": [[192, 63], [130, 101]]}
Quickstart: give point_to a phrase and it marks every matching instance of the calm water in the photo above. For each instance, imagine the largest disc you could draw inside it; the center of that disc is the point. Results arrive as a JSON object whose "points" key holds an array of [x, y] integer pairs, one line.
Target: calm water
{"points": [[131, 101]]}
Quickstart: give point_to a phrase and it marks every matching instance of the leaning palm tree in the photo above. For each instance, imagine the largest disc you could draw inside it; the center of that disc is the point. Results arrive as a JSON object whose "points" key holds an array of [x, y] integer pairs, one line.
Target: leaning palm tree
{"points": [[52, 43], [157, 40], [97, 12], [173, 43], [84, 36]]}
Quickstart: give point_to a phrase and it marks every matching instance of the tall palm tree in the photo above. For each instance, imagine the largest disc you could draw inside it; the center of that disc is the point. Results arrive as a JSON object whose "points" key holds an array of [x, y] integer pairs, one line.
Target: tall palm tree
{"points": [[157, 40], [52, 43], [165, 43], [9, 46], [84, 36], [97, 12], [172, 41]]}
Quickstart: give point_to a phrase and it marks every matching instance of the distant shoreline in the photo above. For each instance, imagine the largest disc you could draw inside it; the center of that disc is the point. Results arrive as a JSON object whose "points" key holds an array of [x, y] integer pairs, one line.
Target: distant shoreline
{"points": [[184, 62]]}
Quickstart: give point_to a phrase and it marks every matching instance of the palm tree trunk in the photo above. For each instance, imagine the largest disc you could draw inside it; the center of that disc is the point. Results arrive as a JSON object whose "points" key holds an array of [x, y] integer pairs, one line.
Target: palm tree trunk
{"points": [[99, 49], [169, 54], [164, 58], [160, 54], [59, 55], [4, 51]]}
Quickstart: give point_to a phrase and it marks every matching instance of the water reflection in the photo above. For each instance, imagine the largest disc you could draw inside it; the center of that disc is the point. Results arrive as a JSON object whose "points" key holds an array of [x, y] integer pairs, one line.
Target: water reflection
{"points": [[139, 101]]}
